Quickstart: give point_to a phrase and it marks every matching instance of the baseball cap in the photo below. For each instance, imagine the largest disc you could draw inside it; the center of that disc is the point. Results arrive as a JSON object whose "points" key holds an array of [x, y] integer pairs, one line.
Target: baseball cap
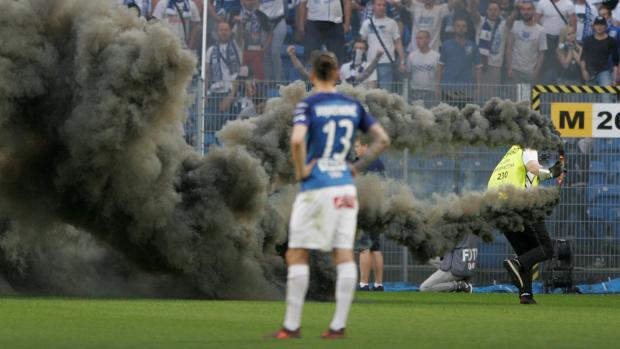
{"points": [[600, 20]]}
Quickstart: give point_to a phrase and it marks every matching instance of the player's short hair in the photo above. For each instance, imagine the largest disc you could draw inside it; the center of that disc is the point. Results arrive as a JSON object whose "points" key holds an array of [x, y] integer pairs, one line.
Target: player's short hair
{"points": [[324, 65]]}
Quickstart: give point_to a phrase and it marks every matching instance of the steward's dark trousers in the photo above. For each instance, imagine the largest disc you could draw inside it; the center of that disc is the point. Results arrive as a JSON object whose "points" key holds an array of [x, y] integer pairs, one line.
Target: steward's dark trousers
{"points": [[532, 246]]}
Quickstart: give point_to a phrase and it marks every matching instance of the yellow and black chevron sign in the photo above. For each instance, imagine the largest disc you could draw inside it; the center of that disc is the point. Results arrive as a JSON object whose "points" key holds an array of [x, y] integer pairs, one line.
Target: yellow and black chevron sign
{"points": [[537, 90]]}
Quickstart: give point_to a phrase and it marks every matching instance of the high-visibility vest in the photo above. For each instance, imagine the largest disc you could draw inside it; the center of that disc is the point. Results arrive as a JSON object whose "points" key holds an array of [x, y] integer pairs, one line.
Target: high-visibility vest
{"points": [[511, 170]]}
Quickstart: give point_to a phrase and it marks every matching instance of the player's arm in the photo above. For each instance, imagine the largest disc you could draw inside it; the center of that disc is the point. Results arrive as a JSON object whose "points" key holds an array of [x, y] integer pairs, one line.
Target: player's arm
{"points": [[380, 141], [298, 152]]}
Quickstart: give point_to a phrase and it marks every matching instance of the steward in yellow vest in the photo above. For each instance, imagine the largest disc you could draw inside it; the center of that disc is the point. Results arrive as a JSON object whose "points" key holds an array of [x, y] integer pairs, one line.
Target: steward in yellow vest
{"points": [[520, 167], [515, 170]]}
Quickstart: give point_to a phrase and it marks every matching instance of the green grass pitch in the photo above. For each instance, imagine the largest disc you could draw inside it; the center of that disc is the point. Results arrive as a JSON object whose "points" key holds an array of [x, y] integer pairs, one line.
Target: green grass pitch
{"points": [[377, 320]]}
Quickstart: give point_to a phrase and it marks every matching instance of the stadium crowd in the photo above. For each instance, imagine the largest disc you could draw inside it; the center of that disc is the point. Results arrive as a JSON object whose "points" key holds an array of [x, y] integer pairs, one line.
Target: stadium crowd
{"points": [[444, 50]]}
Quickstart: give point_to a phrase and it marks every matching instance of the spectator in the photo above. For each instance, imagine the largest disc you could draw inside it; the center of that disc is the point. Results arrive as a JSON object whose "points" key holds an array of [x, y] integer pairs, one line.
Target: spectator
{"points": [[614, 10], [605, 12], [507, 7], [492, 43], [183, 17], [525, 46], [392, 10], [422, 67], [142, 6], [612, 30], [463, 9], [427, 16], [301, 69], [554, 15], [459, 67], [585, 13], [382, 34], [569, 56], [324, 22], [597, 50], [275, 10], [223, 61], [455, 268], [361, 71], [253, 34]]}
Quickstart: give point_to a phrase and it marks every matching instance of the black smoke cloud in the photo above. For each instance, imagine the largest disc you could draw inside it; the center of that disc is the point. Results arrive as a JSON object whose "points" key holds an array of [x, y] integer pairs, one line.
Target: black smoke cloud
{"points": [[497, 123], [430, 228], [99, 194], [427, 228], [91, 103]]}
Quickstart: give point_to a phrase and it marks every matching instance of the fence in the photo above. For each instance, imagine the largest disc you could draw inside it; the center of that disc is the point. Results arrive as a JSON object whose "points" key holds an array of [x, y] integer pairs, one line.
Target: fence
{"points": [[588, 215]]}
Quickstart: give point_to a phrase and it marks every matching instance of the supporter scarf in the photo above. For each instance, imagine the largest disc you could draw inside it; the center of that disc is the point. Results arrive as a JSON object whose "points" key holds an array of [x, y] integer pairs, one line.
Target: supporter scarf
{"points": [[171, 10], [144, 5], [487, 36], [232, 61], [251, 25], [587, 22]]}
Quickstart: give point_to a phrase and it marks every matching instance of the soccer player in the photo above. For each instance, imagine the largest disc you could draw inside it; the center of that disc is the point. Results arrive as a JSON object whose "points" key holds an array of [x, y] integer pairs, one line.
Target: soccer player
{"points": [[324, 215]]}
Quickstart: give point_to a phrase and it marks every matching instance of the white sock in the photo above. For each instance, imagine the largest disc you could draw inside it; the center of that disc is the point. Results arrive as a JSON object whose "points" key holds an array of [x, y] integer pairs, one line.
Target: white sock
{"points": [[377, 285], [345, 287], [296, 287], [362, 284]]}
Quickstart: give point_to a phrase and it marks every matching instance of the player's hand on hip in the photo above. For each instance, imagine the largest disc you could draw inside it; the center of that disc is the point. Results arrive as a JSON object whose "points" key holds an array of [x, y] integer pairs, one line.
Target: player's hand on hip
{"points": [[354, 170], [307, 171]]}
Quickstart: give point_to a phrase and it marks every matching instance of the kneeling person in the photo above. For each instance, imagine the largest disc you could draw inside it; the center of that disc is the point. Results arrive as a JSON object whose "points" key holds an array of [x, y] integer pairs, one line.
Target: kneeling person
{"points": [[455, 268]]}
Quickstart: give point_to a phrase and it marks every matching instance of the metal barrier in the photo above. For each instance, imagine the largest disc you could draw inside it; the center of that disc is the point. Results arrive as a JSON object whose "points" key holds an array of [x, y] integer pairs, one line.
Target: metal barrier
{"points": [[588, 215]]}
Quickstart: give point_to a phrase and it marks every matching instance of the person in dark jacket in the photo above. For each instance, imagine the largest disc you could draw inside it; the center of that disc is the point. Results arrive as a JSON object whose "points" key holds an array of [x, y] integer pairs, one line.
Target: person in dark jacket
{"points": [[598, 51], [455, 268], [369, 243]]}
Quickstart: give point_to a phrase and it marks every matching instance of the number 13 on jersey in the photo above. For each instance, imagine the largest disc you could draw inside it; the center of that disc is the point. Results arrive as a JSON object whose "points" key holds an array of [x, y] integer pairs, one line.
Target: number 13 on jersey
{"points": [[331, 130]]}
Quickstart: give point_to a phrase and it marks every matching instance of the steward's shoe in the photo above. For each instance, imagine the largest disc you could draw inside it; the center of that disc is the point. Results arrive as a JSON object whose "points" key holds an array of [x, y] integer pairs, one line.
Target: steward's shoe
{"points": [[331, 334], [513, 267], [526, 298], [378, 288], [465, 287], [363, 288], [283, 333]]}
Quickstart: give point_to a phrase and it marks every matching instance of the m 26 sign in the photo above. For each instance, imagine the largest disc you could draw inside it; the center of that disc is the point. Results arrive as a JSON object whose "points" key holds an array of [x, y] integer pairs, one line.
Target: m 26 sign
{"points": [[597, 120]]}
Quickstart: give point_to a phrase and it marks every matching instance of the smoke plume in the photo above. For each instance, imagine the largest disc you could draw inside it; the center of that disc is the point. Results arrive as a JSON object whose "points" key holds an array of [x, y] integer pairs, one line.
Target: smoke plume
{"points": [[102, 196], [91, 103], [431, 228]]}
